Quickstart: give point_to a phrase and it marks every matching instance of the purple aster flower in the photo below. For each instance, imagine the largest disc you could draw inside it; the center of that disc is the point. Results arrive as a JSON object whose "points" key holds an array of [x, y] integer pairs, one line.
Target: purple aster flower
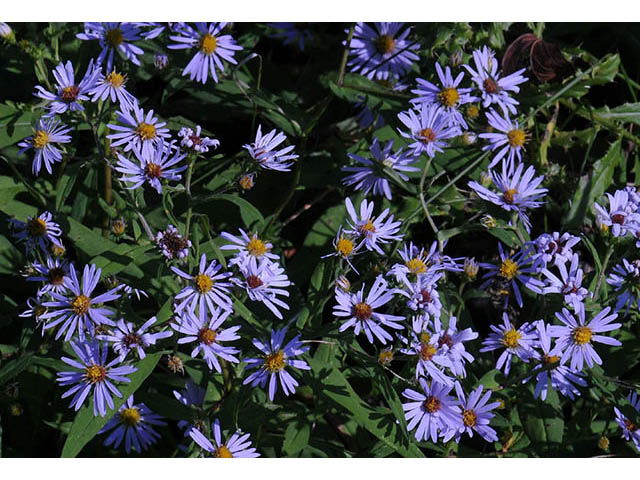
{"points": [[208, 289], [514, 267], [35, 308], [193, 141], [132, 424], [160, 61], [263, 151], [94, 374], [495, 90], [172, 244], [37, 231], [67, 94], [49, 132], [191, 395], [292, 32], [264, 281], [207, 332], [622, 217], [140, 133], [429, 127], [422, 294], [508, 138], [625, 278], [370, 174], [113, 36], [5, 30], [433, 411], [155, 29], [53, 273], [570, 283], [575, 337], [248, 247], [450, 97], [76, 309], [374, 230], [361, 313], [476, 414], [112, 86], [238, 446], [519, 342], [630, 430], [554, 248], [382, 51], [518, 191], [154, 166], [562, 378], [416, 262], [432, 358], [125, 338], [345, 246], [454, 340], [277, 357], [212, 49]]}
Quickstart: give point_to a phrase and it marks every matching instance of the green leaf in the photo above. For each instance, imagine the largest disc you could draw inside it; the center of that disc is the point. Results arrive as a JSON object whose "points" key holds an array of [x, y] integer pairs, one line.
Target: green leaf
{"points": [[250, 215], [296, 437], [15, 367], [627, 113], [86, 426], [15, 124]]}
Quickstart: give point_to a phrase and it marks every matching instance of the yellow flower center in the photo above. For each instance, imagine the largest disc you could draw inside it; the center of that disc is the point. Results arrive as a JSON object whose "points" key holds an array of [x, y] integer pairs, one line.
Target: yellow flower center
{"points": [[115, 79], [427, 351], [516, 138], [223, 452], [80, 304], [427, 135], [469, 418], [40, 139], [118, 226], [509, 195], [550, 359], [130, 416], [385, 357], [367, 227], [37, 227], [146, 131], [508, 269], [246, 182], [385, 43], [207, 336], [425, 338], [203, 283], [114, 37], [274, 362], [581, 335], [630, 425], [448, 96], [511, 338], [56, 250], [256, 247], [208, 44], [416, 266], [40, 310], [473, 111], [362, 311], [95, 373], [431, 404], [344, 247]]}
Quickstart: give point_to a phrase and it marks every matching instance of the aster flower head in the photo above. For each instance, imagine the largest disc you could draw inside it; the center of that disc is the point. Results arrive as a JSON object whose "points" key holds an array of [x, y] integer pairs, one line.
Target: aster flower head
{"points": [[360, 311], [248, 246], [422, 294], [35, 308], [140, 132], [449, 96], [476, 413], [37, 232], [264, 281], [493, 86], [518, 191], [369, 174], [432, 358], [126, 338], [151, 166], [625, 279], [514, 266], [508, 139], [172, 244], [263, 150], [212, 46], [204, 328], [238, 446], [53, 272], [132, 424], [76, 308], [520, 342], [630, 430], [48, 133], [207, 289], [112, 87], [192, 395], [555, 248], [382, 51], [575, 337], [292, 32], [429, 128], [68, 94], [194, 141], [432, 412], [373, 230], [272, 365], [569, 284], [621, 217], [94, 373], [345, 246], [454, 340], [113, 36]]}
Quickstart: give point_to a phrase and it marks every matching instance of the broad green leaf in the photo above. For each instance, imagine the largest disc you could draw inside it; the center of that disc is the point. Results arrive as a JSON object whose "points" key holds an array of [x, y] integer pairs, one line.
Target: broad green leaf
{"points": [[251, 216], [296, 437], [15, 367]]}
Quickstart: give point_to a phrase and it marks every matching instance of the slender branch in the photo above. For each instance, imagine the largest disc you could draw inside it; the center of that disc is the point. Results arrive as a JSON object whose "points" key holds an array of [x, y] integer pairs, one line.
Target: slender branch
{"points": [[345, 54], [604, 269], [192, 161]]}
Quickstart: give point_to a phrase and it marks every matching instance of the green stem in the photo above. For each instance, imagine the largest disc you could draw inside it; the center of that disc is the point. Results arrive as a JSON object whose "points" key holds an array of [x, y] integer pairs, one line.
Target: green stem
{"points": [[603, 271], [187, 227], [345, 55], [424, 205]]}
